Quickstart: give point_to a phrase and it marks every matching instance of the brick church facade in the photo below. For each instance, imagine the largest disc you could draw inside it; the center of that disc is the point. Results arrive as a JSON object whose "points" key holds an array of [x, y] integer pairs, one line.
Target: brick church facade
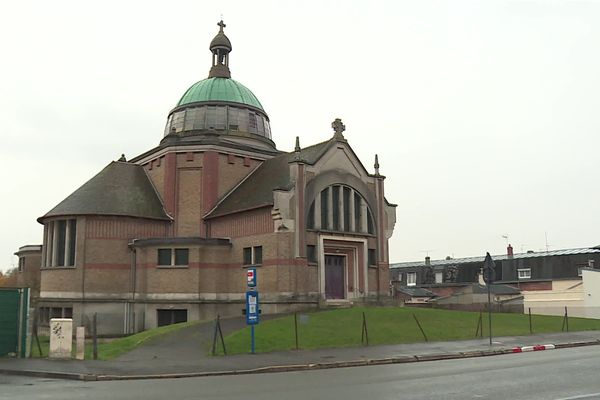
{"points": [[166, 236]]}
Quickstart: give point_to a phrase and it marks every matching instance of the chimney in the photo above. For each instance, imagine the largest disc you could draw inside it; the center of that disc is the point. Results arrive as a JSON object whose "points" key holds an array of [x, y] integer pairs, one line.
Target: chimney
{"points": [[427, 260], [509, 251]]}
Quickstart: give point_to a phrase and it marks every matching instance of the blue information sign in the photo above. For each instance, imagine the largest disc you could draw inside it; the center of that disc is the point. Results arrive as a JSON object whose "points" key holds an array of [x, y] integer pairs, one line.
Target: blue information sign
{"points": [[251, 307], [251, 277]]}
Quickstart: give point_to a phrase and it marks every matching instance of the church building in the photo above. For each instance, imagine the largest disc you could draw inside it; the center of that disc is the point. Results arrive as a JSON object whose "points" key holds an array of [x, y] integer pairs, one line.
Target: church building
{"points": [[166, 236]]}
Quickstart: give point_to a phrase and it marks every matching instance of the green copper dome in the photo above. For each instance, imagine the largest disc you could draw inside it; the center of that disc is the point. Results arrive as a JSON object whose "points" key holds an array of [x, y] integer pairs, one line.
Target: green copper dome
{"points": [[219, 89]]}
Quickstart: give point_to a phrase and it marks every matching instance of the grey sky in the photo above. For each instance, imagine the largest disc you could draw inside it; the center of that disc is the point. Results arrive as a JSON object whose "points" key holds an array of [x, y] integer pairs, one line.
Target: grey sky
{"points": [[484, 113]]}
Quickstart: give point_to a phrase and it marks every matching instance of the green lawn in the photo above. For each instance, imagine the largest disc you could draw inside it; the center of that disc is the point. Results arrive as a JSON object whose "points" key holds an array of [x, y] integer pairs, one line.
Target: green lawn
{"points": [[108, 350], [389, 325]]}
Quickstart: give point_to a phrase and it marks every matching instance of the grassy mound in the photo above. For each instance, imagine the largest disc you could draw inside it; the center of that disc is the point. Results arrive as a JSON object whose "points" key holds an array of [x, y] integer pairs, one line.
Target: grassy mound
{"points": [[389, 325]]}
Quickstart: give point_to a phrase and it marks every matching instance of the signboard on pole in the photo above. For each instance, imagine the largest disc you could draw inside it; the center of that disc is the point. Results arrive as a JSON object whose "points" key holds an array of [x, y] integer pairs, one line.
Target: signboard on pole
{"points": [[251, 277], [252, 307], [489, 271]]}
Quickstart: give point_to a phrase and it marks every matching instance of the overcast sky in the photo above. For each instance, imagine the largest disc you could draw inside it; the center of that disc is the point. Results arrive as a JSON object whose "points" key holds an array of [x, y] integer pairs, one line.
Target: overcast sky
{"points": [[485, 114]]}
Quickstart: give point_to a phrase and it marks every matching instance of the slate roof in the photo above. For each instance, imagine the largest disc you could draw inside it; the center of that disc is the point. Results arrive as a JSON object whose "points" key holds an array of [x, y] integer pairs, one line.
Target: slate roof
{"points": [[121, 189], [480, 259], [257, 190]]}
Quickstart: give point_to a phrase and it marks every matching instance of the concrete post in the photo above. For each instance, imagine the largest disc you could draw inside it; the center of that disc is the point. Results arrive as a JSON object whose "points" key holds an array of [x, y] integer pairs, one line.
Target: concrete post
{"points": [[80, 343]]}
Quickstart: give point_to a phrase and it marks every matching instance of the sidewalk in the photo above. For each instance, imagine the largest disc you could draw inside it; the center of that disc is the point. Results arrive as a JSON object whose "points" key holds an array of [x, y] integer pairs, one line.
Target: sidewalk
{"points": [[183, 353]]}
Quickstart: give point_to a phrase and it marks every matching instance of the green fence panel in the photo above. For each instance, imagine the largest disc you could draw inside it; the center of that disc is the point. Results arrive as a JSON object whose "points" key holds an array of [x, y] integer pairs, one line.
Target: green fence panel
{"points": [[9, 321]]}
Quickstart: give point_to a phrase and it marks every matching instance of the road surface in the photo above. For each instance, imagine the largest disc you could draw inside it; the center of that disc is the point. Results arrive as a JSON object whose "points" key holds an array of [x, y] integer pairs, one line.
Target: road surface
{"points": [[568, 374]]}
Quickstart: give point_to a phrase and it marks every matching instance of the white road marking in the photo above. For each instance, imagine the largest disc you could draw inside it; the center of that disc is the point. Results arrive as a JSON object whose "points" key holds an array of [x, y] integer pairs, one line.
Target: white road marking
{"points": [[583, 396]]}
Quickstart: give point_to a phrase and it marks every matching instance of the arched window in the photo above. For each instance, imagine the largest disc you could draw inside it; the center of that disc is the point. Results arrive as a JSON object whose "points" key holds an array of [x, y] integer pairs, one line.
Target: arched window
{"points": [[340, 208]]}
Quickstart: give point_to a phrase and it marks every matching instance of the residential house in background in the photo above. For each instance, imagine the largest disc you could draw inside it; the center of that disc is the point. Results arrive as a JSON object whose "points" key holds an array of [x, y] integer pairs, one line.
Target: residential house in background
{"points": [[548, 280]]}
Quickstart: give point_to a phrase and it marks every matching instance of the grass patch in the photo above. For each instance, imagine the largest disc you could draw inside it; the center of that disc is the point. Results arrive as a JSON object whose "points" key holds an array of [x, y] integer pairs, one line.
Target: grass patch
{"points": [[389, 325], [110, 349]]}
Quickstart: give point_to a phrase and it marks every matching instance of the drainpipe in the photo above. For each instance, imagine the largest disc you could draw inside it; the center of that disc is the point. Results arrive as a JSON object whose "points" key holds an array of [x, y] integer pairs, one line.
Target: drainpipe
{"points": [[133, 279]]}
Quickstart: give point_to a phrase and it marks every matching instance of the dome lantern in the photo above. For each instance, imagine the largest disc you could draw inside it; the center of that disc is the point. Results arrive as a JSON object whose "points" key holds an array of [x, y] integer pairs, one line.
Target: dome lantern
{"points": [[220, 47]]}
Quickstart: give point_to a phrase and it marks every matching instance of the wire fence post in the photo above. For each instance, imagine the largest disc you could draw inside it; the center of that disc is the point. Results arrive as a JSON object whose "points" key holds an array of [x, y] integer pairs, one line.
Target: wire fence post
{"points": [[481, 324], [365, 333], [296, 328], [530, 325], [567, 317], [478, 325], [34, 335], [420, 327], [94, 338], [220, 333]]}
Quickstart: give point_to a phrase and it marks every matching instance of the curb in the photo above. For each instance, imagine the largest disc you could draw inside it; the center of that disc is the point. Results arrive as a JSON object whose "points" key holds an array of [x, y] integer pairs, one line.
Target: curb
{"points": [[539, 347], [300, 367]]}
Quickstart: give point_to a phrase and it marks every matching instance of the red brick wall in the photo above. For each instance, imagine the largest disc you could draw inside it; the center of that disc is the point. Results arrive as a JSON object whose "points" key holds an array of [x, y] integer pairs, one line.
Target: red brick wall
{"points": [[247, 223], [124, 228]]}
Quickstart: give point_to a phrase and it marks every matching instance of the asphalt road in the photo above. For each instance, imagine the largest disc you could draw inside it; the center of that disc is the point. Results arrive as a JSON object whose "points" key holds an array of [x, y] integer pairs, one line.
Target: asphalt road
{"points": [[567, 374]]}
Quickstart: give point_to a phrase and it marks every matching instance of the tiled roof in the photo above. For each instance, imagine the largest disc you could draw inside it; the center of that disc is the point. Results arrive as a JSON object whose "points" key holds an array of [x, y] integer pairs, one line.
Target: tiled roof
{"points": [[121, 189], [257, 190]]}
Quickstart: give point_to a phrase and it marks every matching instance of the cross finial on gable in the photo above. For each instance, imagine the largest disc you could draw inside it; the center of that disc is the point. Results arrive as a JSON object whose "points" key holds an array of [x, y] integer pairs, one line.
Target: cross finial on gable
{"points": [[221, 25], [338, 128]]}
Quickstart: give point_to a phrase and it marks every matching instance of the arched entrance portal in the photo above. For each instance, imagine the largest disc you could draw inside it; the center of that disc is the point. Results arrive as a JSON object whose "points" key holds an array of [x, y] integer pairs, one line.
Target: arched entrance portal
{"points": [[343, 272]]}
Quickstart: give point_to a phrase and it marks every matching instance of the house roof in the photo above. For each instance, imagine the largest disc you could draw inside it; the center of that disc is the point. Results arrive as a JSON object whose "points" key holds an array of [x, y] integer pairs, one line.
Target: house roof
{"points": [[495, 289], [416, 291], [121, 188], [466, 260], [257, 190]]}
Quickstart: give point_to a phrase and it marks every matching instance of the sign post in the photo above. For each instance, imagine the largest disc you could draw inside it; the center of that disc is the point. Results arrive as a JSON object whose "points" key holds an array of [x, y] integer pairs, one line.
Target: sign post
{"points": [[252, 305], [489, 275]]}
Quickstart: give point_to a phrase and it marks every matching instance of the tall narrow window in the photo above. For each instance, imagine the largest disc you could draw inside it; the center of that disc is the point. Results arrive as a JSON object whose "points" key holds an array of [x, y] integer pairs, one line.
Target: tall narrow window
{"points": [[347, 209], [311, 253], [310, 220], [62, 233], [357, 208], [411, 279], [247, 255], [190, 118], [72, 241], [200, 116], [372, 257], [336, 207], [370, 225], [257, 255], [221, 118], [211, 117], [252, 123], [325, 209]]}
